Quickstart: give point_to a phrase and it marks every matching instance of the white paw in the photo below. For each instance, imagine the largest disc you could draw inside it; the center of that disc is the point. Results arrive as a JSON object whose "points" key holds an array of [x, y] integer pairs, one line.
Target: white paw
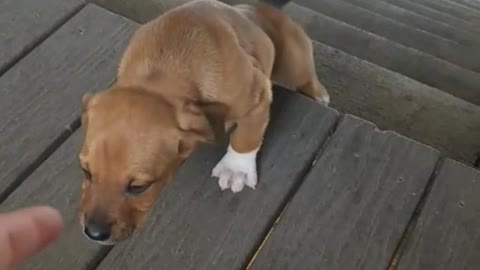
{"points": [[236, 170], [325, 100]]}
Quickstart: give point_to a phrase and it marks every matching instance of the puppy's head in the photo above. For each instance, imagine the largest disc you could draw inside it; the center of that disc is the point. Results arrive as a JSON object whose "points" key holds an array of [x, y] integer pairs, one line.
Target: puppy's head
{"points": [[133, 143]]}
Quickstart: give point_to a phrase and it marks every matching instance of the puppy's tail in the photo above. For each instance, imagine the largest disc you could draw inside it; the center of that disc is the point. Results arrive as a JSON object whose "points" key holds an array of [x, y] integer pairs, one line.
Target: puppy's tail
{"points": [[276, 3]]}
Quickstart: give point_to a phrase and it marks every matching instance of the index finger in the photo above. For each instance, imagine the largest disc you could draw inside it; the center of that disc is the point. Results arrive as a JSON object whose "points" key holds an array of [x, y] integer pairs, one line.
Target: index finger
{"points": [[25, 232]]}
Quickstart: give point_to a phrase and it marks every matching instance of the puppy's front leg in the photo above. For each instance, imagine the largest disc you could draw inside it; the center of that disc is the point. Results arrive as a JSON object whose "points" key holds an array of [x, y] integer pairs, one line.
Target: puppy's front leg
{"points": [[238, 167]]}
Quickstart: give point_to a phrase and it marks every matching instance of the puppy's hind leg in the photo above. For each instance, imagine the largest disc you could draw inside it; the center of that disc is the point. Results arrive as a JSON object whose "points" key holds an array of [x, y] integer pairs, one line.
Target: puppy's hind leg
{"points": [[315, 89], [294, 63]]}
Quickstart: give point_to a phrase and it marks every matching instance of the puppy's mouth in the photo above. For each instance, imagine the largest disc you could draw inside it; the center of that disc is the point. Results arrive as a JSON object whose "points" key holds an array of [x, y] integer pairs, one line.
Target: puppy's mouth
{"points": [[104, 243]]}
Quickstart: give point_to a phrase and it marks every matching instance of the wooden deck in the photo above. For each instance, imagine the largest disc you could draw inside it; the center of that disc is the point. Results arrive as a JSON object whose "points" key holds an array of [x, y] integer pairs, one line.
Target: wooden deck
{"points": [[335, 192]]}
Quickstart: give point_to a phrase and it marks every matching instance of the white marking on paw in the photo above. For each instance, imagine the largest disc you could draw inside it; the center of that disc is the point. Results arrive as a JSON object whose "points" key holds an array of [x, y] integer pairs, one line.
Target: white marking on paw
{"points": [[236, 170], [325, 100]]}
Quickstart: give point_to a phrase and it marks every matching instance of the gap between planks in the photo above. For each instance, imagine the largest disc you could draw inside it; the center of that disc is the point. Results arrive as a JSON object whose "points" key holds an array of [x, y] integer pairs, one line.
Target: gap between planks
{"points": [[44, 155], [50, 149], [38, 42], [284, 205], [98, 258], [64, 135], [403, 242]]}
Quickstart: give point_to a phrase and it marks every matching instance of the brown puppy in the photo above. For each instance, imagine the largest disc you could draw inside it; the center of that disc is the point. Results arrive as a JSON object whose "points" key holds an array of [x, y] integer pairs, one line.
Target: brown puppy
{"points": [[182, 79]]}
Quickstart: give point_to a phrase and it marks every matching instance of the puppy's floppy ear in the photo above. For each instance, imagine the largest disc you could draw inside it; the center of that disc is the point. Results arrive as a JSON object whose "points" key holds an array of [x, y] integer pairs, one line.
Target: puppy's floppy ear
{"points": [[201, 122]]}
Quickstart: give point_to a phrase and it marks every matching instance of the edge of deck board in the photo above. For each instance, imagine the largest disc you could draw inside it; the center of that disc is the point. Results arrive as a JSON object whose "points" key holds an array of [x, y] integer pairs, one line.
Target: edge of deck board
{"points": [[26, 23], [434, 14], [419, 111], [445, 235], [57, 182], [41, 94], [418, 21], [411, 62], [27, 194], [93, 40], [423, 41], [363, 189]]}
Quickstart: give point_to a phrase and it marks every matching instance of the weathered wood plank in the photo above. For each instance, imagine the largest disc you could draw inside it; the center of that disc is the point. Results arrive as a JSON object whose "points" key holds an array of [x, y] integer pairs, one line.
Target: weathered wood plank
{"points": [[418, 21], [24, 23], [447, 234], [419, 111], [354, 205], [81, 56], [41, 94], [434, 14], [425, 68], [197, 226], [460, 55], [470, 4], [466, 14], [57, 183]]}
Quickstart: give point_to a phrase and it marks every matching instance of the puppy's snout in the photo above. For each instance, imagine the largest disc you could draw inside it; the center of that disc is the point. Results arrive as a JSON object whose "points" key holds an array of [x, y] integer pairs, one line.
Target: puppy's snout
{"points": [[97, 230]]}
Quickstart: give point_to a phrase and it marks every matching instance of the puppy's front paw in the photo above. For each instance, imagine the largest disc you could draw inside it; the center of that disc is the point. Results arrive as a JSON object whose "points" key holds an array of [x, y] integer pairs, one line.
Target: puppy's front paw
{"points": [[235, 170]]}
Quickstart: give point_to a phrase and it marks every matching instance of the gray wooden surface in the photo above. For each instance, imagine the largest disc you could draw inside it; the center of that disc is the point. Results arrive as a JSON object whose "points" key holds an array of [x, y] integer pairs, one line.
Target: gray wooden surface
{"points": [[466, 14], [447, 234], [418, 21], [24, 23], [349, 212], [425, 68], [41, 95], [48, 84], [419, 111], [466, 57], [434, 14], [354, 205], [475, 5], [197, 226], [57, 183]]}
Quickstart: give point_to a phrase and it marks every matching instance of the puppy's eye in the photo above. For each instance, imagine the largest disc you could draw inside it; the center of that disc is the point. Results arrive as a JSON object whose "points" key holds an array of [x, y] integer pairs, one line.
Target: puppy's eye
{"points": [[88, 174], [133, 189]]}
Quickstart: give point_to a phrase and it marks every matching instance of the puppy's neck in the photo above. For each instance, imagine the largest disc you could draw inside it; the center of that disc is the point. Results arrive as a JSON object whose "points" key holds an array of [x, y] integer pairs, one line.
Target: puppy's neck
{"points": [[169, 87]]}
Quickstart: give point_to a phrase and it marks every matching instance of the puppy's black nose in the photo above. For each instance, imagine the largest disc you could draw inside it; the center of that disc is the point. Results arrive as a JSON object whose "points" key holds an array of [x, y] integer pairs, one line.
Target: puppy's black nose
{"points": [[97, 231]]}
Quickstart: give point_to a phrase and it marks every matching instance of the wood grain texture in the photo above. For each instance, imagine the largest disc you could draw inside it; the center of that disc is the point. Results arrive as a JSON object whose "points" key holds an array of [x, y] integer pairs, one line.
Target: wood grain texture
{"points": [[418, 21], [25, 22], [419, 111], [447, 234], [57, 183], [361, 88], [475, 5], [197, 226], [466, 14], [41, 95], [425, 68], [460, 55], [434, 14], [354, 205]]}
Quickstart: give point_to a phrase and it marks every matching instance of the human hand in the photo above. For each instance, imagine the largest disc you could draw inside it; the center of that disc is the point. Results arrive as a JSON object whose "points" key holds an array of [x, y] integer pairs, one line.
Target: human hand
{"points": [[25, 232]]}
